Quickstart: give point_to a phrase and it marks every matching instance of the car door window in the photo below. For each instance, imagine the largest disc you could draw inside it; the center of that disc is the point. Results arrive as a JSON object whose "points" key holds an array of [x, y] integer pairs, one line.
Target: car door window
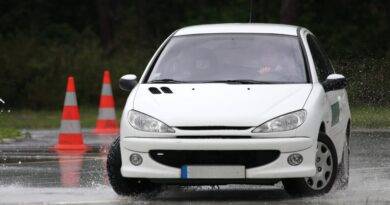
{"points": [[328, 64], [321, 61]]}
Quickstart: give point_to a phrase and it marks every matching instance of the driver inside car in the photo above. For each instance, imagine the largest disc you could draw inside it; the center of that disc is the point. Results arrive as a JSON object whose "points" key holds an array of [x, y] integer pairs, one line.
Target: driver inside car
{"points": [[273, 65]]}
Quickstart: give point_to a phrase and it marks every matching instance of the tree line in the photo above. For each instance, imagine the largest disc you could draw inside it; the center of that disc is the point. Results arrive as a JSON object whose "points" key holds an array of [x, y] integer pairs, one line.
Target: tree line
{"points": [[43, 41]]}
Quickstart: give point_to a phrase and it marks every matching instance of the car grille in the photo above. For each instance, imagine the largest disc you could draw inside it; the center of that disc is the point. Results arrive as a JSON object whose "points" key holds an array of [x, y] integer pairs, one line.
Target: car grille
{"points": [[248, 158], [212, 128], [213, 137]]}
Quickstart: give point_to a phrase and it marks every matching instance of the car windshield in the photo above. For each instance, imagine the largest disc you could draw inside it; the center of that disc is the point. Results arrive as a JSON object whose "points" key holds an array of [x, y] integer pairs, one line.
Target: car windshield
{"points": [[230, 58]]}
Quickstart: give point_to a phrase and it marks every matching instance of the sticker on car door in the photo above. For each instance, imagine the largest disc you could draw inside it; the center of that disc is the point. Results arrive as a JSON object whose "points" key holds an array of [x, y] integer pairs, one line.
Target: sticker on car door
{"points": [[335, 113]]}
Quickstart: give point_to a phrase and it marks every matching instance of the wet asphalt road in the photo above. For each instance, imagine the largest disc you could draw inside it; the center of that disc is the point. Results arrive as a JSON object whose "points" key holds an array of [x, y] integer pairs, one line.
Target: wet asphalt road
{"points": [[32, 173]]}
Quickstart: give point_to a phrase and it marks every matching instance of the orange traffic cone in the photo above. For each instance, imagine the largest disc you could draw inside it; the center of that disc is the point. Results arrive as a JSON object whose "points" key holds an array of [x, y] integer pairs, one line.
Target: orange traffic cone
{"points": [[106, 122], [70, 137]]}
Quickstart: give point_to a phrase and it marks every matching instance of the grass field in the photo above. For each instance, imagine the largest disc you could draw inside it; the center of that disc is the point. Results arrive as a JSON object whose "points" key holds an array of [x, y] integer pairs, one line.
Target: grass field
{"points": [[9, 133], [370, 117], [28, 119], [10, 123]]}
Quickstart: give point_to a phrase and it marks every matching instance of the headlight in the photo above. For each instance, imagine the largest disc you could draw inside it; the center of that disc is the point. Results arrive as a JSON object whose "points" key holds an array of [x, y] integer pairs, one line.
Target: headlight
{"points": [[146, 123], [285, 122]]}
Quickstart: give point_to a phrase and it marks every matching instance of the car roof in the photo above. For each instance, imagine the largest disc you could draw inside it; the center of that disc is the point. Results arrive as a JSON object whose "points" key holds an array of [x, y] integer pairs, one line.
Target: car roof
{"points": [[239, 28]]}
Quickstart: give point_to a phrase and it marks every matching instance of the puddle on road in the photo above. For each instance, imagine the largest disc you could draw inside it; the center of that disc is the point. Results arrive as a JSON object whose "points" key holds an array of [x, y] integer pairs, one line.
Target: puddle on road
{"points": [[54, 169], [81, 178]]}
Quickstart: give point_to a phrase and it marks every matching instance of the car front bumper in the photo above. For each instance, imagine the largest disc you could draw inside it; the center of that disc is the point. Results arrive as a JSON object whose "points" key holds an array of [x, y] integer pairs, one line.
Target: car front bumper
{"points": [[277, 169]]}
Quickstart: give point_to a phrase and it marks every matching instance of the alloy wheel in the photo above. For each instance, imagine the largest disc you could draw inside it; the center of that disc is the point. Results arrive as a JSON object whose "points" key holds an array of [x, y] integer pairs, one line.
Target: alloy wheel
{"points": [[324, 168]]}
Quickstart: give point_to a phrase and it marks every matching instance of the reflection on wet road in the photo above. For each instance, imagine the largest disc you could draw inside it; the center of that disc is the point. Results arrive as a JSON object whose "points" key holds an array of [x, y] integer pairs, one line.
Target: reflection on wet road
{"points": [[29, 173]]}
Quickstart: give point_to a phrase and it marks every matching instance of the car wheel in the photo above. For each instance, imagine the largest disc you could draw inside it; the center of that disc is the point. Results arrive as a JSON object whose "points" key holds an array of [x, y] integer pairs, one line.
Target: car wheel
{"points": [[121, 185], [326, 171]]}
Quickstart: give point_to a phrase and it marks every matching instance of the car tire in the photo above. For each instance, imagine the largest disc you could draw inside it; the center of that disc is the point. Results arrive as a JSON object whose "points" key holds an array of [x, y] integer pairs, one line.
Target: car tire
{"points": [[122, 185], [326, 165]]}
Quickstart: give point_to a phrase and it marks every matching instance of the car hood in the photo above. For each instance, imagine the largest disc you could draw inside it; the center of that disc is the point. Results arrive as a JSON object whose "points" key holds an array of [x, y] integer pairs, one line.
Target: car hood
{"points": [[220, 104]]}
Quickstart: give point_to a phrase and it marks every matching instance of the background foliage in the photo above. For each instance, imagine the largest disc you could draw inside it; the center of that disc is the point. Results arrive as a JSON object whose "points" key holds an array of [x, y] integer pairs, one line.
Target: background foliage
{"points": [[43, 41]]}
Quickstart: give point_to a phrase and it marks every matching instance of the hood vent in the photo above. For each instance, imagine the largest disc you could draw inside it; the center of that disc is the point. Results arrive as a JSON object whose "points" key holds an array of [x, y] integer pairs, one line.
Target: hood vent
{"points": [[166, 90], [154, 90]]}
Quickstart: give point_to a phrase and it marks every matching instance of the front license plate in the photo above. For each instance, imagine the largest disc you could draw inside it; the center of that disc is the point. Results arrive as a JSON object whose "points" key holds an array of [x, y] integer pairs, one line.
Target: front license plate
{"points": [[212, 172]]}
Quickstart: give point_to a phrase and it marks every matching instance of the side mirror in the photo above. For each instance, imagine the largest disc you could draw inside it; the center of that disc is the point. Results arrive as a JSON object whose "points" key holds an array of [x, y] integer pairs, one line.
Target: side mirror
{"points": [[128, 82], [334, 82]]}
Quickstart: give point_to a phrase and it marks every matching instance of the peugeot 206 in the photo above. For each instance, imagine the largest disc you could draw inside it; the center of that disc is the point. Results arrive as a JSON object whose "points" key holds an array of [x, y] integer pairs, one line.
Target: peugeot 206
{"points": [[234, 104]]}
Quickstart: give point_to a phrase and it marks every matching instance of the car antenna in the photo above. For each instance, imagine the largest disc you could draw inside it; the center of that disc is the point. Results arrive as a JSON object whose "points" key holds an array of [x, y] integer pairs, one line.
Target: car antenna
{"points": [[250, 11]]}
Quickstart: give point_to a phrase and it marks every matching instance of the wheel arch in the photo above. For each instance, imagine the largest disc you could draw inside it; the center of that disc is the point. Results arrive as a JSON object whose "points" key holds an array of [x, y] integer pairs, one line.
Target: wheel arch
{"points": [[348, 131], [322, 127]]}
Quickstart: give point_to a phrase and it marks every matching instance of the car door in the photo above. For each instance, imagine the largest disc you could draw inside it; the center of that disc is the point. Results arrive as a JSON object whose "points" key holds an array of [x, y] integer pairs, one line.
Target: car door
{"points": [[334, 98]]}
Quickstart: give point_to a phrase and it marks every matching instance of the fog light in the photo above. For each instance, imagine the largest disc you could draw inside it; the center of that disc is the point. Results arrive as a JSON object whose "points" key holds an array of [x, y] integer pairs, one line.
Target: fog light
{"points": [[135, 159], [295, 159]]}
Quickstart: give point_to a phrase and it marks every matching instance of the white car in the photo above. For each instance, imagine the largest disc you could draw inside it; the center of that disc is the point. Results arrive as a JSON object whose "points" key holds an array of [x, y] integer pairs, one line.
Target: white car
{"points": [[234, 104]]}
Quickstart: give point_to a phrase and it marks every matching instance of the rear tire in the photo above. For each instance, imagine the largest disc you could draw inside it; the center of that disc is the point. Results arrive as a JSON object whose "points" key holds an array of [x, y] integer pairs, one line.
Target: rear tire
{"points": [[326, 165], [121, 185]]}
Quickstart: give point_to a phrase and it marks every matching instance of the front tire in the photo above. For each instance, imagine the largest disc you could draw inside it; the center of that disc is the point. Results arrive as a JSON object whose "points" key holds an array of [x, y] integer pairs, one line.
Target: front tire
{"points": [[121, 185], [326, 171]]}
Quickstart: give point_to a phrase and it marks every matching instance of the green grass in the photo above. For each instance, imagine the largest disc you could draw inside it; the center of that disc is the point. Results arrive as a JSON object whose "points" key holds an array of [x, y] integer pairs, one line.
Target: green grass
{"points": [[370, 116], [362, 117], [9, 133], [29, 119]]}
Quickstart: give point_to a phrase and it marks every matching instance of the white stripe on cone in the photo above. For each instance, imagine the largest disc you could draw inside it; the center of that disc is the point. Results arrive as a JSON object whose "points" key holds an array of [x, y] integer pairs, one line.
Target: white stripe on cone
{"points": [[106, 114], [70, 126], [106, 89], [70, 98]]}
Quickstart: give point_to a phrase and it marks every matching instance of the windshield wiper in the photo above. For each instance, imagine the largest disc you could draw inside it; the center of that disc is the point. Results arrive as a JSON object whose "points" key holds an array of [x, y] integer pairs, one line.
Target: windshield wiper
{"points": [[165, 81], [242, 81]]}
